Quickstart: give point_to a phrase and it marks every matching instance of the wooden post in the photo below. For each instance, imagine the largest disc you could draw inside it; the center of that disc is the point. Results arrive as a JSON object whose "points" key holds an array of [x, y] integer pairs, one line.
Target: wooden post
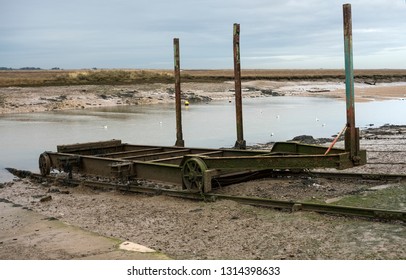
{"points": [[240, 143], [179, 135]]}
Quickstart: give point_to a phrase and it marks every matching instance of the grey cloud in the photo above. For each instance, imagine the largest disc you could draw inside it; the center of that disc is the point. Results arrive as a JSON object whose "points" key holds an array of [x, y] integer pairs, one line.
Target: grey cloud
{"points": [[125, 33]]}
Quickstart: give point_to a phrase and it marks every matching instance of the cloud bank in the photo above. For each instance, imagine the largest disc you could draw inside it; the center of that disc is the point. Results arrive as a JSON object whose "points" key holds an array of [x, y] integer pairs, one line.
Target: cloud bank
{"points": [[138, 34]]}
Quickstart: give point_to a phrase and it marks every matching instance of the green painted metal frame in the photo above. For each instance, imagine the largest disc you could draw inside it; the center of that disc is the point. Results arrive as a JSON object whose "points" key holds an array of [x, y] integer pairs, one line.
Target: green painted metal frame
{"points": [[167, 163]]}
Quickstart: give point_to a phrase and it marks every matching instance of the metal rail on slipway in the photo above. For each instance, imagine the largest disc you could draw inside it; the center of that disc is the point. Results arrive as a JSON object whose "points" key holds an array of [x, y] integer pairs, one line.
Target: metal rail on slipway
{"points": [[371, 213]]}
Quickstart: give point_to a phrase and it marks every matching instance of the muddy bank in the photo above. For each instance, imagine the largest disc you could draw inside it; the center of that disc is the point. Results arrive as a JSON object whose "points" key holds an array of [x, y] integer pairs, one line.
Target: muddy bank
{"points": [[37, 99], [184, 229], [28, 235]]}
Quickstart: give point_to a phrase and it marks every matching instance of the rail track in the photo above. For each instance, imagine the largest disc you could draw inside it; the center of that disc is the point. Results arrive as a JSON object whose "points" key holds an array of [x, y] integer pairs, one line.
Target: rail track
{"points": [[370, 213]]}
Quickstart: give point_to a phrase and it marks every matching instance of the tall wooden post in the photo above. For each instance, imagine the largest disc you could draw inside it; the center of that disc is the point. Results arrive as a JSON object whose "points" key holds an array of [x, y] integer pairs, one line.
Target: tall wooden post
{"points": [[179, 135], [352, 133], [240, 143]]}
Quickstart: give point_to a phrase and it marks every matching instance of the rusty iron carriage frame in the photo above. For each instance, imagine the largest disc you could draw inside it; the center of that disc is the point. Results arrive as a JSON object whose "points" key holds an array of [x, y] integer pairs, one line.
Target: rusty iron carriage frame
{"points": [[194, 168]]}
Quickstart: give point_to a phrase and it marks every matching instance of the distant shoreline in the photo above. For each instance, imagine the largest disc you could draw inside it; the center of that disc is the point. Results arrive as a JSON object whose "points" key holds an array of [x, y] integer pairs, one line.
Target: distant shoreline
{"points": [[56, 98]]}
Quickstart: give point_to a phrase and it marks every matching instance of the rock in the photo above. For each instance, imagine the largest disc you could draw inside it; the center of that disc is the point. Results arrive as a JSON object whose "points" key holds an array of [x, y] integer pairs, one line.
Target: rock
{"points": [[308, 139], [46, 198], [370, 82], [251, 89], [266, 91], [271, 92], [194, 98], [126, 94]]}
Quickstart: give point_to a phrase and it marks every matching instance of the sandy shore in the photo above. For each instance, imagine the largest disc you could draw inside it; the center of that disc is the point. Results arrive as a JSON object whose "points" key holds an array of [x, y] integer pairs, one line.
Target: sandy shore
{"points": [[38, 99]]}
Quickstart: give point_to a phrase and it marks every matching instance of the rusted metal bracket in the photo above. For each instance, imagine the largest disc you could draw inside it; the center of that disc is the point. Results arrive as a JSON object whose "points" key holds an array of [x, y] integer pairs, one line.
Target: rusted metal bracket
{"points": [[121, 169], [67, 163]]}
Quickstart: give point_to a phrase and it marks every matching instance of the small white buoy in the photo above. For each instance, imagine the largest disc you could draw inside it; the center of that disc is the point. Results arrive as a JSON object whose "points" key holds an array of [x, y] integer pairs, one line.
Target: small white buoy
{"points": [[277, 116], [272, 134], [105, 126]]}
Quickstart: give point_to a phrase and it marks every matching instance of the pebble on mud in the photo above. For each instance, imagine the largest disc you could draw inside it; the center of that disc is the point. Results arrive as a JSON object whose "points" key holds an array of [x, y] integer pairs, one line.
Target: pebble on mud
{"points": [[46, 198]]}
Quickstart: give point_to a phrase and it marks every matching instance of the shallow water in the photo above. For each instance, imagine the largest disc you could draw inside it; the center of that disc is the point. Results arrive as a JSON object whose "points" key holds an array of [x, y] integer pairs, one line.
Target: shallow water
{"points": [[24, 137]]}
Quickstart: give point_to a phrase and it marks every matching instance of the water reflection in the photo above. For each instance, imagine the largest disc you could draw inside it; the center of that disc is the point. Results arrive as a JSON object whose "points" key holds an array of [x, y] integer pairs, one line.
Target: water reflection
{"points": [[24, 136]]}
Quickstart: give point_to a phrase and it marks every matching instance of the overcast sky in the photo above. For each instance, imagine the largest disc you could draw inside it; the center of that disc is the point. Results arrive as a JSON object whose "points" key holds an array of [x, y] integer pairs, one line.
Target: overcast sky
{"points": [[139, 33]]}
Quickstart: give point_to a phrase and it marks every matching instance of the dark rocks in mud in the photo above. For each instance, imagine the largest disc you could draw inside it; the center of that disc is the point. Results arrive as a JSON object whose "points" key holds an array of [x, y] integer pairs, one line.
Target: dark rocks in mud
{"points": [[369, 133], [271, 92], [267, 92], [194, 98], [303, 139], [370, 82], [308, 139], [51, 99], [388, 130], [128, 94], [45, 198]]}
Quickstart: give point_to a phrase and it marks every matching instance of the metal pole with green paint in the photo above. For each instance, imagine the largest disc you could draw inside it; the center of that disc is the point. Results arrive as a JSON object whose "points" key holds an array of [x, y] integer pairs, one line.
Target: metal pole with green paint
{"points": [[351, 135]]}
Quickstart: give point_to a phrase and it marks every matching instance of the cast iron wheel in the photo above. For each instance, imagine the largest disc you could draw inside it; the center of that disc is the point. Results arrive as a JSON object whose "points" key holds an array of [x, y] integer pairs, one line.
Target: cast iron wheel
{"points": [[44, 164], [193, 174]]}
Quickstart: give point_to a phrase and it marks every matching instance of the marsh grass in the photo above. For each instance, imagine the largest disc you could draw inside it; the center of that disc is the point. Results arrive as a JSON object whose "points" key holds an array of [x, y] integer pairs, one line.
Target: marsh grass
{"points": [[82, 77], [27, 78]]}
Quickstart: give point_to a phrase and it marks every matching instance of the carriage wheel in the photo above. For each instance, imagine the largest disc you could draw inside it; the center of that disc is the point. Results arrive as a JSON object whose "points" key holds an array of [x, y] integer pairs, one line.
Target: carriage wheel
{"points": [[44, 164], [193, 174]]}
